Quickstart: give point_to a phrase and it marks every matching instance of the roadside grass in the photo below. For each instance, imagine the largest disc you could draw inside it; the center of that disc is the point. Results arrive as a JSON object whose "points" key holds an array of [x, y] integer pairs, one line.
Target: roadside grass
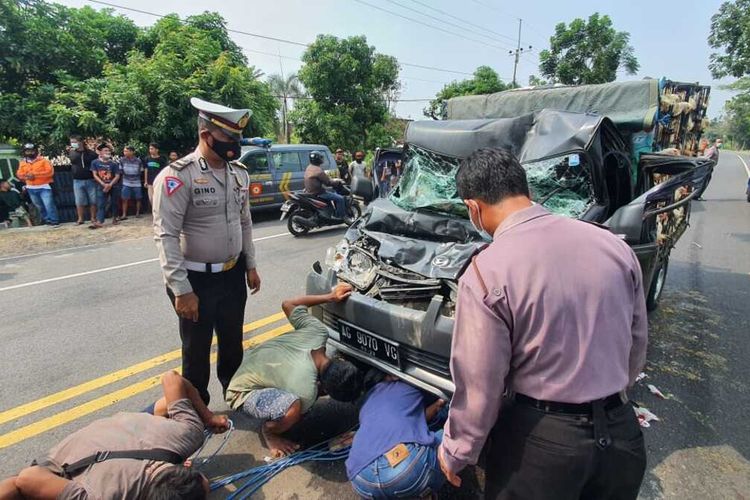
{"points": [[21, 241]]}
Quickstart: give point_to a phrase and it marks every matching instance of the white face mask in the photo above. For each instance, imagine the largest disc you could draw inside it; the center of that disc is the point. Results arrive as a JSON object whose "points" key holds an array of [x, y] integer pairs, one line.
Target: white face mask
{"points": [[479, 227]]}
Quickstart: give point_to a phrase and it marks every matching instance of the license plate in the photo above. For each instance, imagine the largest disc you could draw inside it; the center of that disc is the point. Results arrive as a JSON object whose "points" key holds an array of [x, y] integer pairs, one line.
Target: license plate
{"points": [[285, 210], [377, 347]]}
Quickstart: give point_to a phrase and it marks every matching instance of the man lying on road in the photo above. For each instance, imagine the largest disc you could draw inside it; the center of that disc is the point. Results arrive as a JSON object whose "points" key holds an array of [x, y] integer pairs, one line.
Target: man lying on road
{"points": [[280, 380], [145, 459]]}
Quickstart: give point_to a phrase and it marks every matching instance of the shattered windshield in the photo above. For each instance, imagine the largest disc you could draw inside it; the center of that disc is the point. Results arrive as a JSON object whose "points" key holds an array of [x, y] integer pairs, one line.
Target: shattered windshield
{"points": [[429, 182], [562, 184]]}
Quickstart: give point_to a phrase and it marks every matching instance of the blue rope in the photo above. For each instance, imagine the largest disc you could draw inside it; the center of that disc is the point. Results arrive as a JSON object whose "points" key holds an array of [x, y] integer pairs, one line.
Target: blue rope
{"points": [[260, 475]]}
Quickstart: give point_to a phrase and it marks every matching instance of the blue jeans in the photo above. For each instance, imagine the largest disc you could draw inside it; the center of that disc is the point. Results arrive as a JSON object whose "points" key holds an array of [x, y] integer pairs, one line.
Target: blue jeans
{"points": [[417, 476], [113, 196], [85, 192], [132, 193], [337, 200], [45, 202]]}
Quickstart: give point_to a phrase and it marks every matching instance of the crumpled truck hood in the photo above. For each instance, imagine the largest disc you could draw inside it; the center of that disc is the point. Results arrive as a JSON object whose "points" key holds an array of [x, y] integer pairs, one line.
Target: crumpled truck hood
{"points": [[431, 244]]}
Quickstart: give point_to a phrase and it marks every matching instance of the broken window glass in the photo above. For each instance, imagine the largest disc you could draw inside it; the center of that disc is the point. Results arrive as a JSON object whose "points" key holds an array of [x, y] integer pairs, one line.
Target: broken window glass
{"points": [[562, 184], [429, 182]]}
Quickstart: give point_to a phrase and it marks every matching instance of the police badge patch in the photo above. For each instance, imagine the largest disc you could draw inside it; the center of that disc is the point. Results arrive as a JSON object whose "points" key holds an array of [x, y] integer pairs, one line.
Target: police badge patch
{"points": [[172, 185]]}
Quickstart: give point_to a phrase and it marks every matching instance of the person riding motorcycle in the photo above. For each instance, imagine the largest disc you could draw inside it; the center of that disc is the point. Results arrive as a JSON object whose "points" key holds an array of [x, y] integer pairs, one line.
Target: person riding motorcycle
{"points": [[316, 179]]}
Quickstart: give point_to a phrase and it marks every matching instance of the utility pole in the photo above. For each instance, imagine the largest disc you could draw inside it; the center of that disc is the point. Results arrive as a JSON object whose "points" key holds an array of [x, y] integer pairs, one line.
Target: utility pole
{"points": [[517, 53]]}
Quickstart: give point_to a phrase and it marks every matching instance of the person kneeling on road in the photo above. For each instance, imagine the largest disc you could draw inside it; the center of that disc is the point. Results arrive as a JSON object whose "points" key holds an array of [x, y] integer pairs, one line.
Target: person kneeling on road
{"points": [[316, 178], [394, 454], [279, 380], [149, 452]]}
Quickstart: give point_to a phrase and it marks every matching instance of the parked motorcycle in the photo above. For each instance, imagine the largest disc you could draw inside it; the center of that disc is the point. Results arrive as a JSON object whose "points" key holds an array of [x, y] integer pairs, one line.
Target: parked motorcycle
{"points": [[307, 211]]}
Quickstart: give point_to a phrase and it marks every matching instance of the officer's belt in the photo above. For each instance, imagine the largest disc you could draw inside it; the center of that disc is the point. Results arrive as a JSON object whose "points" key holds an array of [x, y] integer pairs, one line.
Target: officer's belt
{"points": [[202, 267]]}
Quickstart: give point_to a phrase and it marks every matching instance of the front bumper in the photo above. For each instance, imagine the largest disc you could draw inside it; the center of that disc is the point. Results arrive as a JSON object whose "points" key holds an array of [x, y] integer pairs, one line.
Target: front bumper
{"points": [[424, 337]]}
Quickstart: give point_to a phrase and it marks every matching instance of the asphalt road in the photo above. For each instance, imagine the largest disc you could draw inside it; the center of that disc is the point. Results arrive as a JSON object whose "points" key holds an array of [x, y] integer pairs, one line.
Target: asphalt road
{"points": [[86, 332]]}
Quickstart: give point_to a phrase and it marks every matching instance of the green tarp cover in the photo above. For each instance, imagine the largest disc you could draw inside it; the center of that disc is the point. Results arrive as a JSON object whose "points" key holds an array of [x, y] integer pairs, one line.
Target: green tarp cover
{"points": [[632, 106]]}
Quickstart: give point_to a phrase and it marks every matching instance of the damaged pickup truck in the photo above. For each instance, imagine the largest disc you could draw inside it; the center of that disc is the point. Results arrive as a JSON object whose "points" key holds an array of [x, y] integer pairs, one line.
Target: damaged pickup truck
{"points": [[405, 254]]}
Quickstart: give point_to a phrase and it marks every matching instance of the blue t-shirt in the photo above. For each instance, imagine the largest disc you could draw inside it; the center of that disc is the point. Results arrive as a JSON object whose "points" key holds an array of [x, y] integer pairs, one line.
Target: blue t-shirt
{"points": [[393, 413], [107, 169]]}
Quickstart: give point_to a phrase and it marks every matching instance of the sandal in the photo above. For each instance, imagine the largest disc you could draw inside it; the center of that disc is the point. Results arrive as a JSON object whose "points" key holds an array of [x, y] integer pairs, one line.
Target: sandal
{"points": [[79, 222]]}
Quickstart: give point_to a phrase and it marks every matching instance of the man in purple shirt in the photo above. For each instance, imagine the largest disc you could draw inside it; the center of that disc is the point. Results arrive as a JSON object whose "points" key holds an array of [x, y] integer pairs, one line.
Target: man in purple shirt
{"points": [[553, 312]]}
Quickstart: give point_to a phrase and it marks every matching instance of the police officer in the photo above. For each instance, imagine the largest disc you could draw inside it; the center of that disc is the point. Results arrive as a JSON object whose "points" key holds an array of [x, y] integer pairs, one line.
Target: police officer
{"points": [[203, 231], [553, 312]]}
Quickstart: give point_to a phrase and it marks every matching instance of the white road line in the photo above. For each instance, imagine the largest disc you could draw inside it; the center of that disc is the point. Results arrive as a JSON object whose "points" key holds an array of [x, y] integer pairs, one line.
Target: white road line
{"points": [[76, 275], [72, 249], [747, 169], [105, 269]]}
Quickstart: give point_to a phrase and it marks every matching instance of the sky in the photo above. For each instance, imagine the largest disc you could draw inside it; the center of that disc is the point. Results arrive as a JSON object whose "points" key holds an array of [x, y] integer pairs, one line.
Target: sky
{"points": [[669, 36]]}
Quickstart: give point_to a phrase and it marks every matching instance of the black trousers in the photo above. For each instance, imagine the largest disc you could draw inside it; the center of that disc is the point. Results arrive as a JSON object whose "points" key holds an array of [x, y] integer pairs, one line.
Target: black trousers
{"points": [[537, 455], [221, 308]]}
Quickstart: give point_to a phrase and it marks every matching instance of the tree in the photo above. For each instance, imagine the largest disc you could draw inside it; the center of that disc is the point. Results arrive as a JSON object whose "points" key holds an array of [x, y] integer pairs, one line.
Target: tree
{"points": [[143, 95], [737, 114], [587, 52], [49, 47], [284, 89], [348, 83], [535, 81], [485, 81], [730, 31]]}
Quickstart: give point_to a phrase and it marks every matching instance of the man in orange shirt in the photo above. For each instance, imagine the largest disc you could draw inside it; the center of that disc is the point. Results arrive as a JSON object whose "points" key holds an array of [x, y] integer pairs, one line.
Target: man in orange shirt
{"points": [[37, 172]]}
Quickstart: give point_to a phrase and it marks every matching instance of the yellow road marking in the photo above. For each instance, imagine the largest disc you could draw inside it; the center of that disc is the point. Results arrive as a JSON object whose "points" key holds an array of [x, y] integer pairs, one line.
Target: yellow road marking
{"points": [[64, 395], [99, 403]]}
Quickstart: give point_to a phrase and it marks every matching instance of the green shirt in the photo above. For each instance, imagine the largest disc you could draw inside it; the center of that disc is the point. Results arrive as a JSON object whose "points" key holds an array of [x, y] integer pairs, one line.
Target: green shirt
{"points": [[282, 363]]}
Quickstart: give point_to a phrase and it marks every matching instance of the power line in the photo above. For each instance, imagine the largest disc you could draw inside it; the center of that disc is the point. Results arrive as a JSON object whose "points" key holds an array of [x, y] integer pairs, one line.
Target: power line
{"points": [[539, 36], [431, 26], [417, 11], [282, 40], [463, 20], [402, 77]]}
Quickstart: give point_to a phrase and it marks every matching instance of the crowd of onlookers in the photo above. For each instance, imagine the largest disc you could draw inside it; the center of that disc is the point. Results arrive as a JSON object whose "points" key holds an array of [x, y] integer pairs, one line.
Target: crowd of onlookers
{"points": [[101, 182], [106, 183]]}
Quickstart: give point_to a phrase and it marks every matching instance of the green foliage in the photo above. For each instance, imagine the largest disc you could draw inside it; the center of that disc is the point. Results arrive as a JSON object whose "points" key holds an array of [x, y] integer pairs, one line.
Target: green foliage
{"points": [[147, 99], [349, 84], [92, 72], [485, 81], [38, 39], [730, 31], [586, 52], [285, 89], [535, 81], [736, 122]]}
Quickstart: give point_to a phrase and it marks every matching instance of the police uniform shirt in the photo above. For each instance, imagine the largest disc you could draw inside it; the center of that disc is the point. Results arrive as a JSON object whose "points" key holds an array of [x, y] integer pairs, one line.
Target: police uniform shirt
{"points": [[202, 215]]}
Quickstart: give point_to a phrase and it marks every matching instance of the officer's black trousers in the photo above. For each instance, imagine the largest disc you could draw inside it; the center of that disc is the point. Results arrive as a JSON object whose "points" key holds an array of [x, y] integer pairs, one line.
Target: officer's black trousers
{"points": [[536, 455], [221, 307]]}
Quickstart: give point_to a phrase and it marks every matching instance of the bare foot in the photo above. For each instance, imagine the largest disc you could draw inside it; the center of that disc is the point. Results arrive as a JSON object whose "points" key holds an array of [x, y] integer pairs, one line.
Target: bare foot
{"points": [[279, 446]]}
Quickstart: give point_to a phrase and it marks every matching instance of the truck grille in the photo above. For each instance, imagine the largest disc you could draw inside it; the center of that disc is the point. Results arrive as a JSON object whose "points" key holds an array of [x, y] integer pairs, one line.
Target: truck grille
{"points": [[330, 320], [432, 362], [428, 361]]}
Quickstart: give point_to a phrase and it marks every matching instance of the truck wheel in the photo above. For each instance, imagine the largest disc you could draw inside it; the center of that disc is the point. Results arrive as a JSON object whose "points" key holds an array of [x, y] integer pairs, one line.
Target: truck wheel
{"points": [[657, 285], [296, 228]]}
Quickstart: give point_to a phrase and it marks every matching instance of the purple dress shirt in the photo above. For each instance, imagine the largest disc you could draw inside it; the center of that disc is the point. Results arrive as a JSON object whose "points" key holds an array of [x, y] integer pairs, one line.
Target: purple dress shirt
{"points": [[554, 309]]}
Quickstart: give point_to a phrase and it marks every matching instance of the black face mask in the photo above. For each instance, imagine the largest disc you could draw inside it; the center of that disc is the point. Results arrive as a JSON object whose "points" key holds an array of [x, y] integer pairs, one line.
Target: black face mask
{"points": [[30, 156], [227, 151]]}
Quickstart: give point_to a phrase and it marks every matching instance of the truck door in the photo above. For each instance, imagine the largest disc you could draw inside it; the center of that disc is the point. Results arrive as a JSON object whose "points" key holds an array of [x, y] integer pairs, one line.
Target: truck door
{"points": [[286, 165], [653, 222]]}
